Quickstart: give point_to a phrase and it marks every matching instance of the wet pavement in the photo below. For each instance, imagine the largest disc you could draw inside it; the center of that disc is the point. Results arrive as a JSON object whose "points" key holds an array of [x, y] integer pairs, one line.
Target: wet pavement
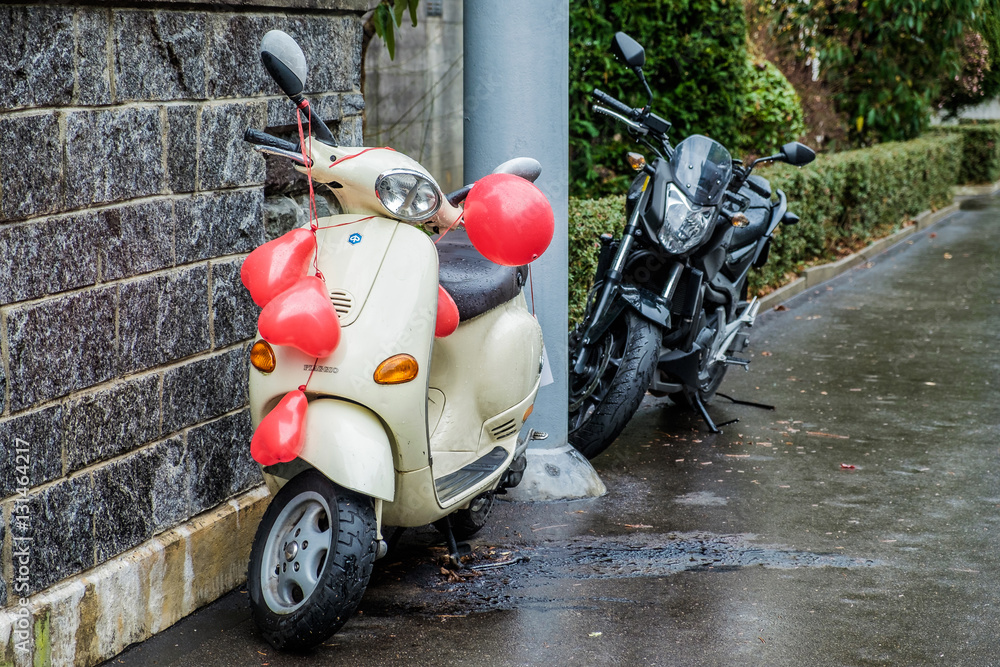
{"points": [[856, 524]]}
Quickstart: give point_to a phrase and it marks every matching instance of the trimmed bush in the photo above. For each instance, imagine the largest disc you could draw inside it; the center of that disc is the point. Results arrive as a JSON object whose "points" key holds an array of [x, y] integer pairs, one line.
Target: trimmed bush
{"points": [[844, 200], [980, 151]]}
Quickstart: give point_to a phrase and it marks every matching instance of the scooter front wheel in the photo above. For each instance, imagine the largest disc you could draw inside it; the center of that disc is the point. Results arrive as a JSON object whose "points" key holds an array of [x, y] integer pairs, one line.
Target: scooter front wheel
{"points": [[311, 561]]}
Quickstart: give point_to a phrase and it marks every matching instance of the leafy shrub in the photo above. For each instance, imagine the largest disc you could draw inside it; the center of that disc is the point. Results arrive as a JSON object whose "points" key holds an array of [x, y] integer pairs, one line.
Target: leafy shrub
{"points": [[845, 200], [773, 112], [980, 151], [588, 219]]}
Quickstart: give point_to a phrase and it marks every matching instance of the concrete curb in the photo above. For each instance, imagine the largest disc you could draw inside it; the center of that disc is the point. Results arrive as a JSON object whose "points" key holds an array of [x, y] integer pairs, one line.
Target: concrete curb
{"points": [[557, 473], [816, 275], [94, 616]]}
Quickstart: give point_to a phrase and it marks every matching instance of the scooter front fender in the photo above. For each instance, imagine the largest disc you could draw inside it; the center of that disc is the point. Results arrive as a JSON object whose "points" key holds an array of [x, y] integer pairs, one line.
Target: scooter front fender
{"points": [[348, 443]]}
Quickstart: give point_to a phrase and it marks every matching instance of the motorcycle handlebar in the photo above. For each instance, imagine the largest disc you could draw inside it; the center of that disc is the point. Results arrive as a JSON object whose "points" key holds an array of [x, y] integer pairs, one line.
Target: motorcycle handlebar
{"points": [[264, 139], [620, 107]]}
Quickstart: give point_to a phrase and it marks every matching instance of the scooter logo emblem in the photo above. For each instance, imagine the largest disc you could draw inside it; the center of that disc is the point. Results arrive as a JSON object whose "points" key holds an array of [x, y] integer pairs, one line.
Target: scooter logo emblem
{"points": [[354, 239]]}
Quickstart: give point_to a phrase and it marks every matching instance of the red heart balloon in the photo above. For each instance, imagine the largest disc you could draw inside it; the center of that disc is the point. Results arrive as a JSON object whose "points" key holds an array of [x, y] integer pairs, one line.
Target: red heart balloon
{"points": [[280, 435], [447, 318], [508, 219], [277, 265], [302, 317]]}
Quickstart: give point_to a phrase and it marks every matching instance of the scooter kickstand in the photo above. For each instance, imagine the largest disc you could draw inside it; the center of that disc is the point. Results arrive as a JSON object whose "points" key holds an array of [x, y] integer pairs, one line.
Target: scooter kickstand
{"points": [[455, 549]]}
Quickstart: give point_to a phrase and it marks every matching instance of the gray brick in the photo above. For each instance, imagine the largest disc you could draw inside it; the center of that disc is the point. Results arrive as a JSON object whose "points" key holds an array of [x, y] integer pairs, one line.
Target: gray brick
{"points": [[234, 314], [112, 421], [171, 484], [333, 50], [281, 113], [163, 318], [61, 345], [350, 131], [332, 46], [36, 56], [49, 256], [93, 80], [31, 163], [139, 238], [59, 522], [159, 55], [41, 434], [204, 389], [123, 507], [221, 465], [233, 56], [182, 147], [219, 224], [113, 155], [224, 159], [3, 543]]}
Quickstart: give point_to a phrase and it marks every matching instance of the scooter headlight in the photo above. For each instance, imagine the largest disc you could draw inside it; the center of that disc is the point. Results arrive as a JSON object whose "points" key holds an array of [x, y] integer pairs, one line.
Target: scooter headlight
{"points": [[685, 225], [408, 195]]}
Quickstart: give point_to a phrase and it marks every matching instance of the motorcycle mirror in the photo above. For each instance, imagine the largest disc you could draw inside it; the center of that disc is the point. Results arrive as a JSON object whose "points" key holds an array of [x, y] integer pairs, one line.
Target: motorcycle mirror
{"points": [[628, 50], [284, 61], [797, 154]]}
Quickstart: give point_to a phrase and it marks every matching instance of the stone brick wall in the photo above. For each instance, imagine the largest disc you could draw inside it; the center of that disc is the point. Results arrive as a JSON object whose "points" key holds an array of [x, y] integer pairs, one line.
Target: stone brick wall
{"points": [[127, 202]]}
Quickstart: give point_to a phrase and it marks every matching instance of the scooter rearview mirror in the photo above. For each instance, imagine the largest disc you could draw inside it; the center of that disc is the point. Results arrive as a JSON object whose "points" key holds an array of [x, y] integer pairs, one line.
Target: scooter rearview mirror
{"points": [[284, 61]]}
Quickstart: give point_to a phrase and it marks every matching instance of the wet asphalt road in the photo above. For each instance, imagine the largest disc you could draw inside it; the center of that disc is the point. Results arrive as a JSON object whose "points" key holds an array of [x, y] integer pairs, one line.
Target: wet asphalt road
{"points": [[753, 547]]}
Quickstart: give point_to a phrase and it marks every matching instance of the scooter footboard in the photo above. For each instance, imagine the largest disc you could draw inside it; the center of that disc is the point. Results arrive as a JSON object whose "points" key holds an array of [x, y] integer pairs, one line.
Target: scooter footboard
{"points": [[347, 443]]}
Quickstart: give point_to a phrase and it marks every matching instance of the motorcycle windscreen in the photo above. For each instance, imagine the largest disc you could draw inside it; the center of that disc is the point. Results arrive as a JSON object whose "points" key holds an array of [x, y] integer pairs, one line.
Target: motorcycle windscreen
{"points": [[702, 168]]}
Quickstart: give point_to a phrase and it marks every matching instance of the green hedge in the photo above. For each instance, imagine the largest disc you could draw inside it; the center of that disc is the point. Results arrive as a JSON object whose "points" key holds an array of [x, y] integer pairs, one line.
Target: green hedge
{"points": [[844, 200], [980, 151]]}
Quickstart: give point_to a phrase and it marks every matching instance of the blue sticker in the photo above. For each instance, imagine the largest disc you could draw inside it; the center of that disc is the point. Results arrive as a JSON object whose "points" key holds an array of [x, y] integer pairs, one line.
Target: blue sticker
{"points": [[354, 239]]}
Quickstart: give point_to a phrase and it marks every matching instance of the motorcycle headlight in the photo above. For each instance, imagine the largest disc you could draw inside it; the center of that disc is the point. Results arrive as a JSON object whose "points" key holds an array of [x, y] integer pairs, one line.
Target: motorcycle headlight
{"points": [[408, 195], [685, 225]]}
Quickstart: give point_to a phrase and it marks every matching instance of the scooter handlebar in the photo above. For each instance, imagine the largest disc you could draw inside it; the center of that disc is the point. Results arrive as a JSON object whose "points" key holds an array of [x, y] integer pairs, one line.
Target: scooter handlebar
{"points": [[259, 138]]}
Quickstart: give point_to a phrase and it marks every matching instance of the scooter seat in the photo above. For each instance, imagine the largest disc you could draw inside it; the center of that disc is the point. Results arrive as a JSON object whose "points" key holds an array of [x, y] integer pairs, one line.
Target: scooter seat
{"points": [[474, 282]]}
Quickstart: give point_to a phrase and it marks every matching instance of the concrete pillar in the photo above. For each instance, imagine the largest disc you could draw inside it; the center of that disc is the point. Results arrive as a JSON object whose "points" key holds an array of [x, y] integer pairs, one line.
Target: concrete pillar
{"points": [[516, 82]]}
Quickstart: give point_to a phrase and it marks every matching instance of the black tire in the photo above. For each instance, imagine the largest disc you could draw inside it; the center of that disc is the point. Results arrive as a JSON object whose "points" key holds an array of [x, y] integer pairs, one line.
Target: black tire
{"points": [[295, 609], [603, 400], [467, 522]]}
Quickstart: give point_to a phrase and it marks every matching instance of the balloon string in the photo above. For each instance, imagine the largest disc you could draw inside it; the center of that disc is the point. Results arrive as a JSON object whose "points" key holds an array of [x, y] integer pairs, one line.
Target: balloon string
{"points": [[351, 157], [302, 387], [531, 286], [451, 226], [351, 222], [307, 159]]}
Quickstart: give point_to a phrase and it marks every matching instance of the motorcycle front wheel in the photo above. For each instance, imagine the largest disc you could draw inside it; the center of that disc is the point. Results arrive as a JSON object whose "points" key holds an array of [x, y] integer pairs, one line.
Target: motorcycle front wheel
{"points": [[605, 396], [311, 561]]}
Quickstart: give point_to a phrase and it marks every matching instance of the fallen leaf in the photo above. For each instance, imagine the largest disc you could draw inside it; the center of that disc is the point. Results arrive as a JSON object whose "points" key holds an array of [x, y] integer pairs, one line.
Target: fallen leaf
{"points": [[595, 634], [933, 235], [947, 255], [847, 466], [820, 434], [931, 384], [637, 525], [781, 308], [765, 353]]}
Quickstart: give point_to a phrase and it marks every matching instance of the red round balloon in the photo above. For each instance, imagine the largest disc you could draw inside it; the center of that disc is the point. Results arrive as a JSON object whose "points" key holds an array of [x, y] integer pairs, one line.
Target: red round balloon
{"points": [[302, 317], [508, 219], [277, 265], [280, 435], [447, 317]]}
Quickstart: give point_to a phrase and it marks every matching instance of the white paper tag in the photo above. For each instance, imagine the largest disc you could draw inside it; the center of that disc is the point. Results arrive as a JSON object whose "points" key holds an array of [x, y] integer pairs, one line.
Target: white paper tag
{"points": [[546, 377]]}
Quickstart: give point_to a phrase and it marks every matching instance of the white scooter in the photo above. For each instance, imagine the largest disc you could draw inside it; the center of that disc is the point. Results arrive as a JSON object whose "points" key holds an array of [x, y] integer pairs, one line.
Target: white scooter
{"points": [[402, 428]]}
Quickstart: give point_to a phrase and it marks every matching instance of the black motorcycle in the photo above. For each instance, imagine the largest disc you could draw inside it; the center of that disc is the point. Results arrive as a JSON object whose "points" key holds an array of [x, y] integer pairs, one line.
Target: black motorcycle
{"points": [[668, 311]]}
